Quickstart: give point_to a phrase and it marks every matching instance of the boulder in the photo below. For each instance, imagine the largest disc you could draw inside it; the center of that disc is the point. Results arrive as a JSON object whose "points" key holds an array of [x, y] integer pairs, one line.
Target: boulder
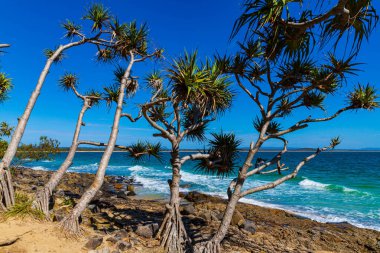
{"points": [[94, 242], [249, 227], [146, 231], [122, 195], [237, 219], [121, 245], [188, 209]]}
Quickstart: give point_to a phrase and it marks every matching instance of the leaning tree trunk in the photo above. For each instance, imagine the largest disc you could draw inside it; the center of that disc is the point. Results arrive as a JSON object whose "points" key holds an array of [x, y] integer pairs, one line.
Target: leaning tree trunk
{"points": [[41, 201], [71, 224], [172, 232], [214, 244], [6, 187]]}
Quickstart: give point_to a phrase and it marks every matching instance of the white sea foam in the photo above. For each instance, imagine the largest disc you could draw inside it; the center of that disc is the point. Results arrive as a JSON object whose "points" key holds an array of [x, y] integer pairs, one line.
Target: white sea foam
{"points": [[39, 168], [307, 183]]}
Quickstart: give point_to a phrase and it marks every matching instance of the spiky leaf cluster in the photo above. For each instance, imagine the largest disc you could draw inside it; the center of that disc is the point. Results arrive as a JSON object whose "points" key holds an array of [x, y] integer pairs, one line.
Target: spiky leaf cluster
{"points": [[224, 152], [273, 127], [193, 122], [68, 81], [363, 97], [203, 85], [5, 86], [141, 149], [50, 52]]}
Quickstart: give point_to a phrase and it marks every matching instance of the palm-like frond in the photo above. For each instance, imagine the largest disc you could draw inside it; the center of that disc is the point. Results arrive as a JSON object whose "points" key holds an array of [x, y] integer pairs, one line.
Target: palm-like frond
{"points": [[314, 100], [111, 94], [342, 67], [99, 15], [131, 37], [50, 52], [141, 149], [193, 117], [335, 142], [272, 128], [96, 97], [202, 85], [5, 129], [224, 152], [71, 28], [68, 81], [5, 86], [154, 80], [364, 97]]}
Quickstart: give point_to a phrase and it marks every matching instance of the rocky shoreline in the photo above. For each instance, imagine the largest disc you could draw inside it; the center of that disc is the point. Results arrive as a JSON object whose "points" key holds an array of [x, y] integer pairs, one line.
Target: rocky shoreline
{"points": [[118, 221]]}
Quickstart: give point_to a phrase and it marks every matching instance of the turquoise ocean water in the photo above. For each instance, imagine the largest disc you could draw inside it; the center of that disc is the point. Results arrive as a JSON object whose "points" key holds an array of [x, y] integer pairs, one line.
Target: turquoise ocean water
{"points": [[334, 187]]}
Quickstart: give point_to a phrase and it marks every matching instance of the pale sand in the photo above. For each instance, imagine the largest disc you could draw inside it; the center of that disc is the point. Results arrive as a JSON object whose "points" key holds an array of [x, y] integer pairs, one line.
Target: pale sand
{"points": [[37, 237]]}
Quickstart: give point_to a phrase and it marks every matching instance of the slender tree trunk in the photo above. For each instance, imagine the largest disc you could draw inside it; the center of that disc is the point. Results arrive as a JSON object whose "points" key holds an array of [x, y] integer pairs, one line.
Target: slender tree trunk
{"points": [[172, 232], [41, 201], [213, 245], [71, 224], [6, 188]]}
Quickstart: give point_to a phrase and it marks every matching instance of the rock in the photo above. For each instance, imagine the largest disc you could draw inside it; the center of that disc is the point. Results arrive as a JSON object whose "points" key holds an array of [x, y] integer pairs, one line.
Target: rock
{"points": [[146, 231], [237, 219], [122, 233], [249, 227], [131, 193], [94, 242], [188, 209], [155, 227], [112, 240], [60, 193], [206, 215], [122, 195], [121, 245]]}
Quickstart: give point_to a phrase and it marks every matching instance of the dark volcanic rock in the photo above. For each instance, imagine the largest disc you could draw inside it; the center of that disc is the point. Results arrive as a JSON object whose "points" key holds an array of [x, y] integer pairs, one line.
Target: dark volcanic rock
{"points": [[121, 245], [94, 242]]}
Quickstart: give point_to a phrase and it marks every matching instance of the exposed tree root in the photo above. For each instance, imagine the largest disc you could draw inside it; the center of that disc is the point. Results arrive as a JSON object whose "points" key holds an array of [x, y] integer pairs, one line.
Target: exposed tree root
{"points": [[172, 233], [70, 226], [208, 247], [7, 198], [41, 202]]}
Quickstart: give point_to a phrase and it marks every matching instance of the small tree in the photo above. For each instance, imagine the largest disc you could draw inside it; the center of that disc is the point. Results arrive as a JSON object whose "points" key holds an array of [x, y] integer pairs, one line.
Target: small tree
{"points": [[97, 36], [279, 68], [130, 44], [194, 94], [67, 82]]}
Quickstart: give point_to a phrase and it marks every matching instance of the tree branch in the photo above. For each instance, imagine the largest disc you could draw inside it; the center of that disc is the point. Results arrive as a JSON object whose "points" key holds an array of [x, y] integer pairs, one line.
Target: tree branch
{"points": [[285, 178], [198, 156]]}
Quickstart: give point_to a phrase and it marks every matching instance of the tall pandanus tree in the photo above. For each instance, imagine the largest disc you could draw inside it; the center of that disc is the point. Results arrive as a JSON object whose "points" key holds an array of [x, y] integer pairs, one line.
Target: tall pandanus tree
{"points": [[131, 45], [186, 99], [280, 68], [68, 82], [98, 35]]}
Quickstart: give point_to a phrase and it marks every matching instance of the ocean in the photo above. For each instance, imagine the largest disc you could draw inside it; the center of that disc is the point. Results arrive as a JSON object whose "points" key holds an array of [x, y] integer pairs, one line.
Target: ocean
{"points": [[334, 187]]}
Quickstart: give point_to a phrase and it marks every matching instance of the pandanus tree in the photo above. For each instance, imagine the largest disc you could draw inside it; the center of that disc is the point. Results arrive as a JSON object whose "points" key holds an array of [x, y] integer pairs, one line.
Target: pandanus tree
{"points": [[97, 35], [281, 67], [186, 99], [68, 82], [129, 44]]}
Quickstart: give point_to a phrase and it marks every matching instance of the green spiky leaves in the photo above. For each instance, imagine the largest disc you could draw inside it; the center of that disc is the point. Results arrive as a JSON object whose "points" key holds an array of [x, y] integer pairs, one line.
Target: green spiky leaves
{"points": [[272, 128], [203, 85], [335, 142], [314, 100], [50, 54], [224, 152], [141, 149], [364, 97], [71, 28], [99, 15], [68, 81], [5, 86]]}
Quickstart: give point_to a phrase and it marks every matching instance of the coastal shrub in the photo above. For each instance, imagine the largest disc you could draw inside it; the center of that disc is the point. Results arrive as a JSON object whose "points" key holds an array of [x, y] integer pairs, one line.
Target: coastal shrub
{"points": [[23, 208]]}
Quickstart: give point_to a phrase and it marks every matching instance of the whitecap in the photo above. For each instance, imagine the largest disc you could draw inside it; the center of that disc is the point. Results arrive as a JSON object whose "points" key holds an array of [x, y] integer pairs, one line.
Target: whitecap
{"points": [[307, 183]]}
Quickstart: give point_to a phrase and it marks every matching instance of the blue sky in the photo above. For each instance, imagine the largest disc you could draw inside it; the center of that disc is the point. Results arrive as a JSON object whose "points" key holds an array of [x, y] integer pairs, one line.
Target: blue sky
{"points": [[32, 26]]}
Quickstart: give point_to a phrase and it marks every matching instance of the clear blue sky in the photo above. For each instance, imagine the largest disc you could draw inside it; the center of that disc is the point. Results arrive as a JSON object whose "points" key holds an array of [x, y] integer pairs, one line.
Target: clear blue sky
{"points": [[32, 26]]}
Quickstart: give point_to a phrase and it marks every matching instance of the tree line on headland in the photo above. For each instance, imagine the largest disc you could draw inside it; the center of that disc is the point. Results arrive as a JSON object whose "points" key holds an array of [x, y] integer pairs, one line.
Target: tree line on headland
{"points": [[287, 62]]}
